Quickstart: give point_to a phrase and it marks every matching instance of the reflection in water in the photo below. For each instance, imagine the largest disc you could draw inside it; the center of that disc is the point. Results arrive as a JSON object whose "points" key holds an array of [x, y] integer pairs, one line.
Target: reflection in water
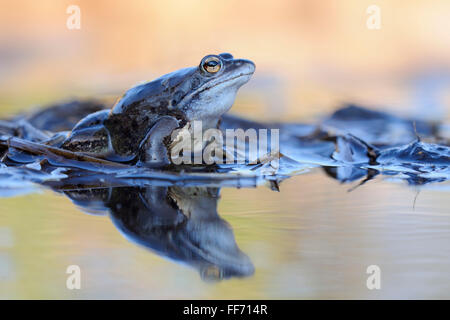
{"points": [[150, 208], [179, 223], [305, 235]]}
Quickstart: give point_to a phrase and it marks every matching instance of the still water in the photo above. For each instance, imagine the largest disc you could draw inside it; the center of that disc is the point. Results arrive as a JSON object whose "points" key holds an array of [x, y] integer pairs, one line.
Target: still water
{"points": [[313, 239]]}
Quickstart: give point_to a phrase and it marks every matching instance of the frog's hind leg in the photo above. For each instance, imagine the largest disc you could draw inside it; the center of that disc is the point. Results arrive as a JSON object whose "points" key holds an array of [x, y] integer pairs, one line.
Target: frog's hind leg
{"points": [[153, 151], [89, 136]]}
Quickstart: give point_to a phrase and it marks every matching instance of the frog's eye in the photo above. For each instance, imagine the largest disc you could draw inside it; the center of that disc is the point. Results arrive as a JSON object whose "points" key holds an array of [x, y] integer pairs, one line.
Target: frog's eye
{"points": [[211, 64]]}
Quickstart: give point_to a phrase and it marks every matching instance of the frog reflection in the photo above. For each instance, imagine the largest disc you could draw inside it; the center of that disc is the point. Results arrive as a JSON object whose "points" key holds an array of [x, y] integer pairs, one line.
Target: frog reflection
{"points": [[179, 223]]}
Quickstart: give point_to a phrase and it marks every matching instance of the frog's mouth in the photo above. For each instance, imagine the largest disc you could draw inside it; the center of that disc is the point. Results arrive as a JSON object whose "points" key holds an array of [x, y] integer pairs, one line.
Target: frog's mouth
{"points": [[209, 85], [223, 81]]}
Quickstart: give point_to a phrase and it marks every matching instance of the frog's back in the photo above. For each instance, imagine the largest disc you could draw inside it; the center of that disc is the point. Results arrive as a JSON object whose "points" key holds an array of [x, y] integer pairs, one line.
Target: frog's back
{"points": [[118, 132], [159, 95], [141, 106]]}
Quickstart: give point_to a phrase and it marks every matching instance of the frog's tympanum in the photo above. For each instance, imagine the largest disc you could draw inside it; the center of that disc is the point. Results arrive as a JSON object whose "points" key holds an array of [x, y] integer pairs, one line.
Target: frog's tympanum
{"points": [[180, 223], [140, 123]]}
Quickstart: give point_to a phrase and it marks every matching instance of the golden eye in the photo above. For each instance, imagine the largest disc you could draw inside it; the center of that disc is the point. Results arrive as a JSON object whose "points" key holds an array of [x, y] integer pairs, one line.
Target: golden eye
{"points": [[212, 64]]}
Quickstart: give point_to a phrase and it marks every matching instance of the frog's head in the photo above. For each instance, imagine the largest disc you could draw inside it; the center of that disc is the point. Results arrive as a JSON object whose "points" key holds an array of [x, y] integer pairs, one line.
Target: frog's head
{"points": [[213, 86]]}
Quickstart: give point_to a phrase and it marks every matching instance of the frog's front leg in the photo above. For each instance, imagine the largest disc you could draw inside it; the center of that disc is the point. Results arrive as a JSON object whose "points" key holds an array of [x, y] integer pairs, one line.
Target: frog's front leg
{"points": [[153, 150]]}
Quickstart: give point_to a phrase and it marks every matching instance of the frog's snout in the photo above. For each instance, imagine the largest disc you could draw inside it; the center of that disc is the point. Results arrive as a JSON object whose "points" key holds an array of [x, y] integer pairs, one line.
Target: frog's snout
{"points": [[240, 71], [246, 67]]}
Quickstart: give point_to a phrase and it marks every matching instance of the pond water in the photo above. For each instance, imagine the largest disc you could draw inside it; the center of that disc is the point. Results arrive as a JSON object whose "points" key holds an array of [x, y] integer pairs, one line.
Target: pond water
{"points": [[357, 189], [313, 239]]}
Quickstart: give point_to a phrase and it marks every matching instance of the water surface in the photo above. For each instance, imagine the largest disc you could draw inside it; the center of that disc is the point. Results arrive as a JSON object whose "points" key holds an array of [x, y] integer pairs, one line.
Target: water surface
{"points": [[313, 239]]}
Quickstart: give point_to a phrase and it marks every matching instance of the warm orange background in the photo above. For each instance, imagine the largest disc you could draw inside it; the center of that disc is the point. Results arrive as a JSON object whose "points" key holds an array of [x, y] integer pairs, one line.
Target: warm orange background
{"points": [[310, 55]]}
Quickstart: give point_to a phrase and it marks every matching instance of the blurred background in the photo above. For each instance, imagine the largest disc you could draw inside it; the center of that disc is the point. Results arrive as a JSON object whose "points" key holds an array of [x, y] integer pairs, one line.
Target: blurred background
{"points": [[311, 56], [313, 239]]}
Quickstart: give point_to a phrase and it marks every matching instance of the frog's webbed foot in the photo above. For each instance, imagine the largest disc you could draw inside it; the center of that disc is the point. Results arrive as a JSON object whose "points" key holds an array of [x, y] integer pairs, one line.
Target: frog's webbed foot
{"points": [[153, 150]]}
